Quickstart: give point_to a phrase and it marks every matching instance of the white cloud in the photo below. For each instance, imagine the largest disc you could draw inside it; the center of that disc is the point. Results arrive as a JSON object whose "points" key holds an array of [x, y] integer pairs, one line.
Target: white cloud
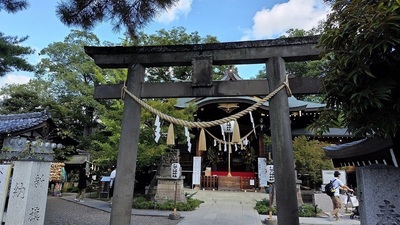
{"points": [[300, 14], [182, 7], [14, 79]]}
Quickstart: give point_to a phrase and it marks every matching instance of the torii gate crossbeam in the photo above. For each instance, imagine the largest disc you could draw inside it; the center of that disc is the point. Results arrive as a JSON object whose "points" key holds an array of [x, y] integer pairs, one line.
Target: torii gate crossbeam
{"points": [[201, 57]]}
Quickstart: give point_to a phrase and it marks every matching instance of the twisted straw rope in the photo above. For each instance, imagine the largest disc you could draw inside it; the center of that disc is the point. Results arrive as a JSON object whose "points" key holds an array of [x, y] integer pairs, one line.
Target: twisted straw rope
{"points": [[207, 124]]}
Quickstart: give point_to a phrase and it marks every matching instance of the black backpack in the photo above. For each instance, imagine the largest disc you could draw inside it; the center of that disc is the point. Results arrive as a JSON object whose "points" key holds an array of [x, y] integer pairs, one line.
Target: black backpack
{"points": [[329, 190]]}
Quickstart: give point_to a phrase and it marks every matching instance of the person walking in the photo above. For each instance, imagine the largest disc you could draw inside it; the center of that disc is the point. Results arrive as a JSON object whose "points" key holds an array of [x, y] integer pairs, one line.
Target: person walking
{"points": [[82, 184], [336, 200], [112, 178]]}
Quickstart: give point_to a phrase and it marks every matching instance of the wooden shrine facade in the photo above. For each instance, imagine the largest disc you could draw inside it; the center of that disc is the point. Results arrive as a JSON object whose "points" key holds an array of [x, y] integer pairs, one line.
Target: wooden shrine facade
{"points": [[253, 128]]}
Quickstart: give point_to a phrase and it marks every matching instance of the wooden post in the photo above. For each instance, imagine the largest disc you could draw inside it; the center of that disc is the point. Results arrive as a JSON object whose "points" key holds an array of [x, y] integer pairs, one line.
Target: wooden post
{"points": [[128, 148], [261, 144], [282, 149]]}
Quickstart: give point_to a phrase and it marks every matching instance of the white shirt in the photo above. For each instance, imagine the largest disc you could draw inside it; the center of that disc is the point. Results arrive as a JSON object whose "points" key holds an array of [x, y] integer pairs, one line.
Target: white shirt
{"points": [[336, 184], [112, 177]]}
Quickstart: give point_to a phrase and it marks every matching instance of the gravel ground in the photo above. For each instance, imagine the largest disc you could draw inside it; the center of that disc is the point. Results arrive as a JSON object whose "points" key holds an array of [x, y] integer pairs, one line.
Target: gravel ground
{"points": [[63, 212]]}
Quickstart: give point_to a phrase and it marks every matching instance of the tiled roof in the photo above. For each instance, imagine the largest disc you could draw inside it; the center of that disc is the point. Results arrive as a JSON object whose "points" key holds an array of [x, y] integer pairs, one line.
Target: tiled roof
{"points": [[294, 104], [18, 122], [292, 101]]}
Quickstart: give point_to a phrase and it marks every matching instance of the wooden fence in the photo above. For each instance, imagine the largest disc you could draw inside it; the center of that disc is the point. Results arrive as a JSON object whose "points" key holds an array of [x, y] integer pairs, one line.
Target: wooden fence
{"points": [[209, 182], [246, 183]]}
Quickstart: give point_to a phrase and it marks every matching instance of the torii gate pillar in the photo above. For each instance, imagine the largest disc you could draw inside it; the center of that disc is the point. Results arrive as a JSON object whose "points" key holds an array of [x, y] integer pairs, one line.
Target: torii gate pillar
{"points": [[282, 149], [128, 148]]}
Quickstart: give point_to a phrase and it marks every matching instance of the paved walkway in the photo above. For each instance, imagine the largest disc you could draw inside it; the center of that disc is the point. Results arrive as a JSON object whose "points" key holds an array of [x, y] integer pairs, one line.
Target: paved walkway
{"points": [[219, 208]]}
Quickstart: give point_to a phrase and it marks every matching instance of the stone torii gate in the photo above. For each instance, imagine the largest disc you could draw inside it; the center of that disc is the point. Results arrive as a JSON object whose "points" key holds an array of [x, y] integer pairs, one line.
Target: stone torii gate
{"points": [[201, 57]]}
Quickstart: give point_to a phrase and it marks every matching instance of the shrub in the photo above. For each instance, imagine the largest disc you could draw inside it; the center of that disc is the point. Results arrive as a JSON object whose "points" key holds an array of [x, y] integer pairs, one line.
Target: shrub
{"points": [[191, 205], [305, 210], [143, 203], [168, 205], [308, 210], [262, 207]]}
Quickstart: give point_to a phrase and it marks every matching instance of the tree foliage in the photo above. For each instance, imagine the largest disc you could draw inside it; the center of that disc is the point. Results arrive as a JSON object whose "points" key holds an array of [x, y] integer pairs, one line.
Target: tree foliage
{"points": [[133, 15], [72, 75], [361, 42], [24, 98], [13, 6], [175, 36], [299, 69], [310, 159], [12, 54], [149, 151]]}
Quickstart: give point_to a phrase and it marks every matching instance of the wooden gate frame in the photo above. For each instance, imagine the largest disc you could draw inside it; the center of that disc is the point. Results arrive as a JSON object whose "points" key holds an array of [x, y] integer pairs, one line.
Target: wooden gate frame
{"points": [[201, 57]]}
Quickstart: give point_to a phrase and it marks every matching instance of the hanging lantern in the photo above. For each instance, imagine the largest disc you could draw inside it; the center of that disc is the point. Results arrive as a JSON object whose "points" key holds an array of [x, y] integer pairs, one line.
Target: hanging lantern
{"points": [[228, 127]]}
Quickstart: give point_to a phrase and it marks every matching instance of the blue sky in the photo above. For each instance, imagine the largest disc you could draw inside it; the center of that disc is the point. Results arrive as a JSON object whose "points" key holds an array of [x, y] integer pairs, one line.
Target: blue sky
{"points": [[228, 20]]}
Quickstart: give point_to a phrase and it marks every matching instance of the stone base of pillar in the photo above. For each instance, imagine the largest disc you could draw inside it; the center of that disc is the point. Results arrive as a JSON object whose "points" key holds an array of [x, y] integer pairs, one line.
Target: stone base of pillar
{"points": [[270, 221], [174, 216], [166, 189], [299, 198]]}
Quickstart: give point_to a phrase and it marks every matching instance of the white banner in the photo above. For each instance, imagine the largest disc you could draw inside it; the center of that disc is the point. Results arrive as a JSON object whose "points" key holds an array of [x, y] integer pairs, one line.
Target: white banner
{"points": [[196, 170], [262, 171]]}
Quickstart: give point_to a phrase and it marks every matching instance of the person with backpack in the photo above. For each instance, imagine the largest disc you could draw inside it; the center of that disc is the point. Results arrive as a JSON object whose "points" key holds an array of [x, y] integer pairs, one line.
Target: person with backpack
{"points": [[336, 200]]}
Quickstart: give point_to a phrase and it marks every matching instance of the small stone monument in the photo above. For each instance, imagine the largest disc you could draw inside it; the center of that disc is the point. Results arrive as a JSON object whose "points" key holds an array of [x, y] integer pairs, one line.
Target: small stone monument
{"points": [[30, 179], [378, 194], [167, 181], [28, 193]]}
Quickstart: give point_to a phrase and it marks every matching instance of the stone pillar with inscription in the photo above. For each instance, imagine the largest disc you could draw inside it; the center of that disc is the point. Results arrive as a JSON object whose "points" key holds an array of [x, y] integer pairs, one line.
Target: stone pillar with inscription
{"points": [[378, 194], [28, 193], [30, 179], [168, 186]]}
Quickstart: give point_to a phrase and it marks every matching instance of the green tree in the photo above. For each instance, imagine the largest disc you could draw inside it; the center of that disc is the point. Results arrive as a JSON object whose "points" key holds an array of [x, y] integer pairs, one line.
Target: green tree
{"points": [[361, 42], [310, 159], [23, 98], [132, 15], [149, 151], [12, 54], [73, 75], [300, 69], [13, 6], [175, 36]]}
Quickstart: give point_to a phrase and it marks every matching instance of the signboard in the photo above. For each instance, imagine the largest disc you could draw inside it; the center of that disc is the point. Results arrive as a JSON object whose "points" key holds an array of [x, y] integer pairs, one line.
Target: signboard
{"points": [[196, 170], [5, 173], [176, 171], [270, 173], [251, 182], [262, 171], [327, 175]]}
